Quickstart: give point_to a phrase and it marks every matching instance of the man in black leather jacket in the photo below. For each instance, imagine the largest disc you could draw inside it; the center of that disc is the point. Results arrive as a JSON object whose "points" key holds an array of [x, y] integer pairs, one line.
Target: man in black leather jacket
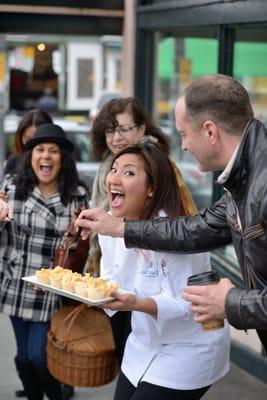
{"points": [[215, 120]]}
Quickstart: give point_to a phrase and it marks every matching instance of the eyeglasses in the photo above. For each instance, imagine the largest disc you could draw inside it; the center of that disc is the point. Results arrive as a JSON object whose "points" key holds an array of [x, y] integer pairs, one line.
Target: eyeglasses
{"points": [[123, 130]]}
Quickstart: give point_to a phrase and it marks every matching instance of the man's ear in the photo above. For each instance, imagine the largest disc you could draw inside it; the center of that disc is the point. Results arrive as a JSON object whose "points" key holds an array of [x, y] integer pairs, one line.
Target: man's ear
{"points": [[211, 131]]}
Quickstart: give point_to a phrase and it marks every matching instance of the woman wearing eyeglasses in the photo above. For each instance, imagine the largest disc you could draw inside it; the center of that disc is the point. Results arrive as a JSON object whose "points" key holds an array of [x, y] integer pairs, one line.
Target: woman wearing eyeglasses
{"points": [[120, 123], [167, 354]]}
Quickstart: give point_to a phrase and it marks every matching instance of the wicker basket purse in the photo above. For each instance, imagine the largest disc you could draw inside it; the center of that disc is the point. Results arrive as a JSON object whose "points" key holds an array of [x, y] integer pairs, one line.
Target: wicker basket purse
{"points": [[80, 347]]}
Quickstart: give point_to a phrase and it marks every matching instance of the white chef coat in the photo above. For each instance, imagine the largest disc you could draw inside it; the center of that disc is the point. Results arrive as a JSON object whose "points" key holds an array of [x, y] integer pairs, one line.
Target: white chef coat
{"points": [[171, 350]]}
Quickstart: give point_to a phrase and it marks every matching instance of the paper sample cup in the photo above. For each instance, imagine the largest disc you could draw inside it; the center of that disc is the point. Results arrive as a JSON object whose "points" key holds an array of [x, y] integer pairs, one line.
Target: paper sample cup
{"points": [[207, 278]]}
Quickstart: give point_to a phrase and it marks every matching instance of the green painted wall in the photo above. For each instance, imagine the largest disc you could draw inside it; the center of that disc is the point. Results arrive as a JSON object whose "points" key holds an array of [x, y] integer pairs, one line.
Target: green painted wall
{"points": [[250, 58], [203, 54], [166, 58]]}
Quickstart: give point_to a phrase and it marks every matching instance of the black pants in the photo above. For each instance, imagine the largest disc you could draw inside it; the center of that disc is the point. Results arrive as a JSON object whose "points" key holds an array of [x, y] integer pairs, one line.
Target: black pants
{"points": [[121, 327], [144, 391], [263, 338]]}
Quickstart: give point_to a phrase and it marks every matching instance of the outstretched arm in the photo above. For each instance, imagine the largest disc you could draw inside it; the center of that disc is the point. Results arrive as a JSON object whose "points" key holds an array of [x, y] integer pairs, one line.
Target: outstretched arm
{"points": [[6, 212], [203, 232]]}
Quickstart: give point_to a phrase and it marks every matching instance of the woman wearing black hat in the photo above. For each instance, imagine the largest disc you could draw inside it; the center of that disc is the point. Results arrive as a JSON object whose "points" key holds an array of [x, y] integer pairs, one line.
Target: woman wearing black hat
{"points": [[43, 197], [25, 131]]}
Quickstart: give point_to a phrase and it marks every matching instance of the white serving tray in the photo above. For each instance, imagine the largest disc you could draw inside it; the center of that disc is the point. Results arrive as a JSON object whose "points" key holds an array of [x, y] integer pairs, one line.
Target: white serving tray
{"points": [[33, 280]]}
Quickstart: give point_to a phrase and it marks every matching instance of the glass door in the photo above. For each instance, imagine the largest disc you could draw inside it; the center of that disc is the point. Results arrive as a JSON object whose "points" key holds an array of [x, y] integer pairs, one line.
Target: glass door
{"points": [[181, 58], [250, 66]]}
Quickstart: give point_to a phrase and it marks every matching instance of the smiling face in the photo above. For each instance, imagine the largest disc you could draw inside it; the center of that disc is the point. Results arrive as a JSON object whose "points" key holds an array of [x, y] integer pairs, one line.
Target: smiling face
{"points": [[128, 191], [119, 140], [199, 142], [46, 164]]}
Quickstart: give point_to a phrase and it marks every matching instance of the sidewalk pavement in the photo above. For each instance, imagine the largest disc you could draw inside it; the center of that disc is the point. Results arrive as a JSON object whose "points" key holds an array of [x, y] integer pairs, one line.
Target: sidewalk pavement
{"points": [[237, 385]]}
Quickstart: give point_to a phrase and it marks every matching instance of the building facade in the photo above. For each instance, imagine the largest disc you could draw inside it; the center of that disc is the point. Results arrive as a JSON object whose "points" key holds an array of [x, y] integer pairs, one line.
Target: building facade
{"points": [[178, 41]]}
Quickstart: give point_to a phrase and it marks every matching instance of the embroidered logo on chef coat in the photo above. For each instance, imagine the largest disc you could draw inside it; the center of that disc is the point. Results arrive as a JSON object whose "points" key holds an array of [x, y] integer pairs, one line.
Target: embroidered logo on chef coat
{"points": [[163, 266], [150, 270]]}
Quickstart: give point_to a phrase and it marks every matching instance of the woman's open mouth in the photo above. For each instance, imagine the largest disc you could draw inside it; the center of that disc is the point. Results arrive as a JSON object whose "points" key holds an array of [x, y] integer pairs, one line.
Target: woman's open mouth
{"points": [[117, 198]]}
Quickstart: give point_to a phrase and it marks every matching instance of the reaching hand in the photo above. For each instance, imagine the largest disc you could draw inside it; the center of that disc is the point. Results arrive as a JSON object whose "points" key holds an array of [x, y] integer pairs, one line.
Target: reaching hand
{"points": [[208, 302], [3, 195], [99, 221], [6, 212]]}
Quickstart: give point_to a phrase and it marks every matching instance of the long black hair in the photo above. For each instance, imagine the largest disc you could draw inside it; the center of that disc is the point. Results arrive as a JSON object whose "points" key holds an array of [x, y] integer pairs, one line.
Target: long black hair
{"points": [[31, 118], [68, 178]]}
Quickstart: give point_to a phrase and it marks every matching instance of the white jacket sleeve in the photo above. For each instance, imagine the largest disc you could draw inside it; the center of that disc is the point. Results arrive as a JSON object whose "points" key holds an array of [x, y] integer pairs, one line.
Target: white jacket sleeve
{"points": [[172, 309]]}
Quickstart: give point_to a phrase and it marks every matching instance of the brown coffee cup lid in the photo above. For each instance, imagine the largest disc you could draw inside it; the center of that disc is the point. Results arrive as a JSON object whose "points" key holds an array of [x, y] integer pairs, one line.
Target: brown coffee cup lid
{"points": [[203, 278]]}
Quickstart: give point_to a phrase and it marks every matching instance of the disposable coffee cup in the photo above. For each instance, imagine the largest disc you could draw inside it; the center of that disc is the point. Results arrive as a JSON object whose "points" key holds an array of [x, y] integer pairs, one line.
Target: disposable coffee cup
{"points": [[207, 278]]}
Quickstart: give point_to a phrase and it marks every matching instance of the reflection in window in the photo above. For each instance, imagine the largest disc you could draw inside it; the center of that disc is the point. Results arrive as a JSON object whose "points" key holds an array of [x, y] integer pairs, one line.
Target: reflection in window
{"points": [[85, 78], [180, 61], [250, 61], [118, 73]]}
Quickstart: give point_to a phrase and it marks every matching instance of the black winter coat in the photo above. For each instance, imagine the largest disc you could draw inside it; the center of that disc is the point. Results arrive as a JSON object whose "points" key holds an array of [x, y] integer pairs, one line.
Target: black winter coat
{"points": [[239, 217]]}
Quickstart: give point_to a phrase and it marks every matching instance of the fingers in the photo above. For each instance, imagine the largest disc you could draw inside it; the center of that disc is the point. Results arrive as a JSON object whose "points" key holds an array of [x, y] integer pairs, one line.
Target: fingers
{"points": [[118, 296], [81, 222], [192, 295], [85, 221], [92, 214], [36, 288], [194, 308], [3, 196], [6, 212], [207, 302], [121, 302], [195, 290]]}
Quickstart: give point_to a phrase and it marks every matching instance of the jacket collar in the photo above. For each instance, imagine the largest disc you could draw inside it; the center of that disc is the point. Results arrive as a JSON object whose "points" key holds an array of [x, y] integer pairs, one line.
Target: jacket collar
{"points": [[222, 178], [250, 145], [46, 209]]}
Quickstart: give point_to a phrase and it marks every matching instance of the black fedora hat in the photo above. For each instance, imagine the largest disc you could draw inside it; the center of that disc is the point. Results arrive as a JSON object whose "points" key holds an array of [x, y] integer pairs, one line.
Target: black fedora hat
{"points": [[49, 133]]}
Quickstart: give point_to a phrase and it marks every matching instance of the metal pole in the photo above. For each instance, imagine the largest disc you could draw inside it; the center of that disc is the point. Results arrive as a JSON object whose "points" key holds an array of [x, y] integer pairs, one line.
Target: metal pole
{"points": [[3, 88], [128, 59]]}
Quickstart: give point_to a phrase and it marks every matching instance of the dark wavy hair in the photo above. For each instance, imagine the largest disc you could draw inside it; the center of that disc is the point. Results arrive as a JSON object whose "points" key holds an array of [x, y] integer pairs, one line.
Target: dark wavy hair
{"points": [[30, 118], [107, 118], [160, 176], [68, 179]]}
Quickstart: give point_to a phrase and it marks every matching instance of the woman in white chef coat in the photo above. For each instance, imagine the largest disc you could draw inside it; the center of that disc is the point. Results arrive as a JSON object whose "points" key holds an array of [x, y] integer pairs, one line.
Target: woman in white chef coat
{"points": [[167, 354]]}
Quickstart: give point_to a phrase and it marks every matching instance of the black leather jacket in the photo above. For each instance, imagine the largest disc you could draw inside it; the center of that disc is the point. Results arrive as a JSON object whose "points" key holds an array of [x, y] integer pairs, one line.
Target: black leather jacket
{"points": [[239, 217]]}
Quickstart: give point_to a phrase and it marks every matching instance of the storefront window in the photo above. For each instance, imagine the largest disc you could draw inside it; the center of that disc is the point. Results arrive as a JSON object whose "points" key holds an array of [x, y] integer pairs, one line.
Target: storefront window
{"points": [[250, 59], [180, 61], [249, 68]]}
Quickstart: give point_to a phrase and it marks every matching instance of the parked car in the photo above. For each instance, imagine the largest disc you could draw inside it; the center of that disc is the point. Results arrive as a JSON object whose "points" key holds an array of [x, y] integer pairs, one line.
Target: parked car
{"points": [[77, 133]]}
